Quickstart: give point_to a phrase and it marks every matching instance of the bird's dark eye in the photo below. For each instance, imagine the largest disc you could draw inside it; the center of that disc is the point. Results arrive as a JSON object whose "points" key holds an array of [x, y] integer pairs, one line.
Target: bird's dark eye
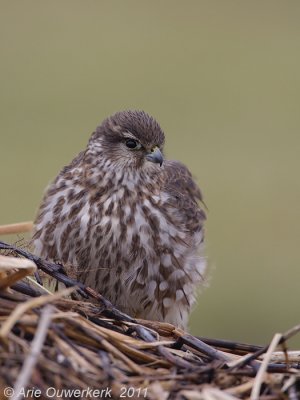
{"points": [[133, 144]]}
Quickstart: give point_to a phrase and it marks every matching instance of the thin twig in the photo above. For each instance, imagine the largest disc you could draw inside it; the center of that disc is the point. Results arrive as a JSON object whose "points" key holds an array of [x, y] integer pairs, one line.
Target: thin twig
{"points": [[13, 229], [230, 345], [23, 307], [35, 351], [204, 348], [263, 368]]}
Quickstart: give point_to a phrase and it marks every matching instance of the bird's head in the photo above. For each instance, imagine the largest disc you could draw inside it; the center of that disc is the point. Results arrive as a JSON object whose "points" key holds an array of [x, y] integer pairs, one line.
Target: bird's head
{"points": [[129, 139]]}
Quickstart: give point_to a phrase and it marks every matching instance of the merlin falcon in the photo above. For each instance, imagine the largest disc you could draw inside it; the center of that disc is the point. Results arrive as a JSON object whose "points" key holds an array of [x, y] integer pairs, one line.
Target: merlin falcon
{"points": [[128, 221]]}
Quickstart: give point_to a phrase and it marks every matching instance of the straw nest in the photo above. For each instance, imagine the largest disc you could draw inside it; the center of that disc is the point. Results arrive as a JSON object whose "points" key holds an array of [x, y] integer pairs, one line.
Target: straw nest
{"points": [[53, 346]]}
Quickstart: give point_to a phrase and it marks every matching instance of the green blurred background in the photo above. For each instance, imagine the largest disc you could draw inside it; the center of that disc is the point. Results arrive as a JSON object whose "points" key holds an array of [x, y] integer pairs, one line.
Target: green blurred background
{"points": [[222, 78]]}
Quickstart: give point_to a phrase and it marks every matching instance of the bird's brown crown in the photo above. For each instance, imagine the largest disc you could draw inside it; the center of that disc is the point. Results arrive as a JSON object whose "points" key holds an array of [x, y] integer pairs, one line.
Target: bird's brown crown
{"points": [[138, 123]]}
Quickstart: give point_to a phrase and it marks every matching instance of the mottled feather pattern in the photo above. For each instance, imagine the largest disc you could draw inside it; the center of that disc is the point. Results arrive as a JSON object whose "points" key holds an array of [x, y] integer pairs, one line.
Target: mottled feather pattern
{"points": [[132, 229]]}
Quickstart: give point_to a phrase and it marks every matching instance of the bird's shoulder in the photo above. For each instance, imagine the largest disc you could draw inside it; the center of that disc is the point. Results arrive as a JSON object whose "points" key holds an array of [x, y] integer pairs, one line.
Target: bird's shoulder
{"points": [[73, 165], [184, 193], [179, 181]]}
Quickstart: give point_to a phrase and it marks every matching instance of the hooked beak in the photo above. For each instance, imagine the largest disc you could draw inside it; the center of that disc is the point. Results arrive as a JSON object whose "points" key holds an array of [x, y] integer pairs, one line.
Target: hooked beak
{"points": [[155, 156]]}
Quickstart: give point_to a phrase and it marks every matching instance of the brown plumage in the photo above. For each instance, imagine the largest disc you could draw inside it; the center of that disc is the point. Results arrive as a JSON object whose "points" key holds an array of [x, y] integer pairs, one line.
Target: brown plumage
{"points": [[128, 221]]}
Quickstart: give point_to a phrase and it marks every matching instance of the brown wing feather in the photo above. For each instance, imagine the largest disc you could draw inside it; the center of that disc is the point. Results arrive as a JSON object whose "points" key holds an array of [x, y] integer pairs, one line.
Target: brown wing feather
{"points": [[185, 194]]}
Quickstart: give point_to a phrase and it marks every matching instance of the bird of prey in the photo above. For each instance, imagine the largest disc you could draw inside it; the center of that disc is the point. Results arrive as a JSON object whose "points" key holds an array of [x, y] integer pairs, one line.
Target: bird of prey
{"points": [[129, 221]]}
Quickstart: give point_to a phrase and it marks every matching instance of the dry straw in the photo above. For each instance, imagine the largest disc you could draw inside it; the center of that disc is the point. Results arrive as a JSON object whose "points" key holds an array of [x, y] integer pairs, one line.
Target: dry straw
{"points": [[53, 342]]}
